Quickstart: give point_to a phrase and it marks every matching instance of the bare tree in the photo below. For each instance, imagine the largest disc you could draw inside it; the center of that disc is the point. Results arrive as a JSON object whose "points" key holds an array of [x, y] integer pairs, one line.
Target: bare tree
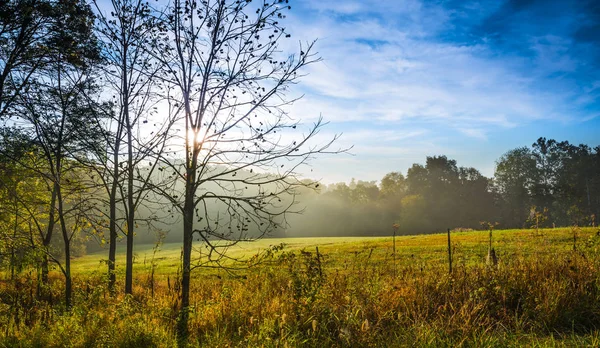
{"points": [[137, 134], [242, 149]]}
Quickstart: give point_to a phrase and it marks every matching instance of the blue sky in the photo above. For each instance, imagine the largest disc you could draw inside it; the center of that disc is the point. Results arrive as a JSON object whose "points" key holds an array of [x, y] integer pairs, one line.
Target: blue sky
{"points": [[468, 79]]}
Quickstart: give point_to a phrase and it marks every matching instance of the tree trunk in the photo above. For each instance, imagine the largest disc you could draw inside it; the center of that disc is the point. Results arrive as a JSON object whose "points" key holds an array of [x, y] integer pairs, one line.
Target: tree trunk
{"points": [[587, 191], [129, 256], [191, 158], [449, 254], [188, 227], [13, 258], [44, 275], [112, 246], [68, 284], [130, 205], [112, 242], [42, 293], [67, 244], [130, 218]]}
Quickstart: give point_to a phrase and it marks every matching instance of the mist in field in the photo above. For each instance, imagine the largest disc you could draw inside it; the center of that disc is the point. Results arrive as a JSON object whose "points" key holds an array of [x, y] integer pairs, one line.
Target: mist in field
{"points": [[559, 186]]}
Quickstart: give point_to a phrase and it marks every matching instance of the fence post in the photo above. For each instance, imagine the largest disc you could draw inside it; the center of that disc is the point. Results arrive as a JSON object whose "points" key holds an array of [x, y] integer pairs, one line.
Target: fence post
{"points": [[395, 226], [449, 253]]}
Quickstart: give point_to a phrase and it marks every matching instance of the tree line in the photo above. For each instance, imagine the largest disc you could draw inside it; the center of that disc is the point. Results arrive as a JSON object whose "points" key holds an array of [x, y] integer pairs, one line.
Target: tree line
{"points": [[549, 184], [116, 115]]}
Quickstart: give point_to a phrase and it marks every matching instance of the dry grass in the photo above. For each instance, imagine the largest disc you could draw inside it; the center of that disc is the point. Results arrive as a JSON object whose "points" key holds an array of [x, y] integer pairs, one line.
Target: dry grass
{"points": [[542, 293]]}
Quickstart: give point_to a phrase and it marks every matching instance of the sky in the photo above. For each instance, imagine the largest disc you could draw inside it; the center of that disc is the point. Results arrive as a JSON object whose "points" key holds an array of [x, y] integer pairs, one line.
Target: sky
{"points": [[406, 79]]}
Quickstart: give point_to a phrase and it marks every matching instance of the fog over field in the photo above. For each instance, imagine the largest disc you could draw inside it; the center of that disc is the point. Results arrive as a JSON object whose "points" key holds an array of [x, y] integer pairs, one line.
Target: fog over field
{"points": [[430, 198]]}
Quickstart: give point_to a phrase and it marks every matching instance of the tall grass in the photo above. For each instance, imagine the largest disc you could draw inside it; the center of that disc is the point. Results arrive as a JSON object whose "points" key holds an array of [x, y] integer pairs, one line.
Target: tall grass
{"points": [[541, 293]]}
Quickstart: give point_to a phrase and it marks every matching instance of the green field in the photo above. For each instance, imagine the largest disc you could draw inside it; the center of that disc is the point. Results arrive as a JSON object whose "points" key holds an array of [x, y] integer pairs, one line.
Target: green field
{"points": [[469, 247], [544, 291], [167, 255]]}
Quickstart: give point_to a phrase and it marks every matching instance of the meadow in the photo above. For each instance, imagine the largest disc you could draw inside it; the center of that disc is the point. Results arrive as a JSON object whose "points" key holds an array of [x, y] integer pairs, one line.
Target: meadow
{"points": [[332, 292]]}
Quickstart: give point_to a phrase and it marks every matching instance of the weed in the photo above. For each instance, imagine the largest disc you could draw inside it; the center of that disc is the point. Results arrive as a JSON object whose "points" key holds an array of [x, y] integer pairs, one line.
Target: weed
{"points": [[345, 294]]}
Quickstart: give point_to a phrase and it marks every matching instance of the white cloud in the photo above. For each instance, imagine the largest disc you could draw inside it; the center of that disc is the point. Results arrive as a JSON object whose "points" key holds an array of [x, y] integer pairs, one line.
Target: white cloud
{"points": [[477, 133], [399, 75]]}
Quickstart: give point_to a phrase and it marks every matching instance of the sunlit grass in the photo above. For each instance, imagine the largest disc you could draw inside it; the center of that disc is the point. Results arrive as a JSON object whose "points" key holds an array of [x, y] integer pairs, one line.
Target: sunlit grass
{"points": [[471, 246], [543, 293]]}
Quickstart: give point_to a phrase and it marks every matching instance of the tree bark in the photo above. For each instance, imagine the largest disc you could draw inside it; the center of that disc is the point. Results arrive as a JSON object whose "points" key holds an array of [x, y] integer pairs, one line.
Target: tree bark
{"points": [[130, 202], [67, 244], [188, 228], [46, 244], [112, 201]]}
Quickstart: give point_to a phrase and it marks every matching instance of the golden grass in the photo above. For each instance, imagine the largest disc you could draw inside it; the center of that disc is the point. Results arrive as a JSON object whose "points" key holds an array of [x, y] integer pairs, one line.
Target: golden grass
{"points": [[542, 293]]}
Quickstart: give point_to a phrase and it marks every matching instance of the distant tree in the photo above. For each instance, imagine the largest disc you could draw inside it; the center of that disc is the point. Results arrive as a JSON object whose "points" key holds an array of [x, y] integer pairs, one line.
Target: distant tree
{"points": [[516, 176], [576, 182], [593, 183], [441, 171], [364, 192], [415, 217], [223, 57], [393, 185], [450, 196], [442, 193], [392, 189], [476, 197], [555, 177], [549, 161], [340, 191], [436, 184], [416, 179]]}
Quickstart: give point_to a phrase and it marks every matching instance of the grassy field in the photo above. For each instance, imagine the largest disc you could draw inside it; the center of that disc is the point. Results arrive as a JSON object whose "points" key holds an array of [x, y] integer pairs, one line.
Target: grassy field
{"points": [[544, 291], [469, 247]]}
